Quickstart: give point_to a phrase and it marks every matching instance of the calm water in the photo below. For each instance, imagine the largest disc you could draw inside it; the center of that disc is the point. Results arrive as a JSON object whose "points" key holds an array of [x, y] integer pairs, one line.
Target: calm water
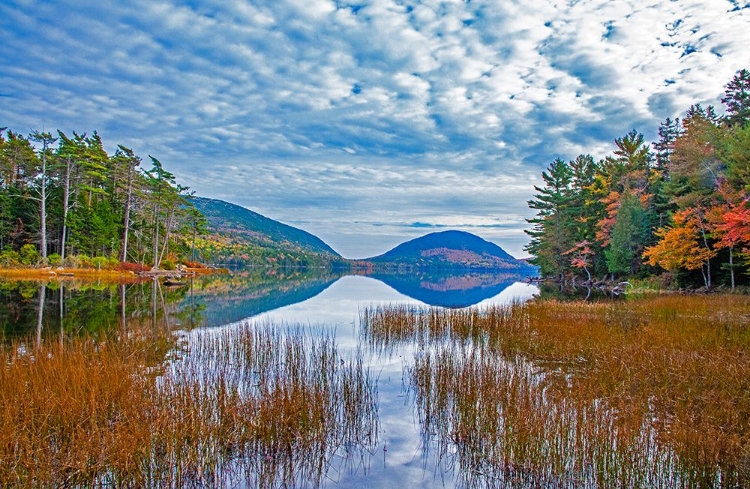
{"points": [[314, 301], [400, 460]]}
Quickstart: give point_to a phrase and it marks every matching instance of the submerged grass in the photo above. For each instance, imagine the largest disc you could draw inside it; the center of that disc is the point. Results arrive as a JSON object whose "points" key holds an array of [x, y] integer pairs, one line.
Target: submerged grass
{"points": [[264, 406], [651, 392]]}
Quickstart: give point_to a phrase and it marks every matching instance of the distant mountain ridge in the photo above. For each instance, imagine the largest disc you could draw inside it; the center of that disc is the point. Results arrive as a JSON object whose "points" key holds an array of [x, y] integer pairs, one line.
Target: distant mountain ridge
{"points": [[451, 250], [240, 236], [241, 231]]}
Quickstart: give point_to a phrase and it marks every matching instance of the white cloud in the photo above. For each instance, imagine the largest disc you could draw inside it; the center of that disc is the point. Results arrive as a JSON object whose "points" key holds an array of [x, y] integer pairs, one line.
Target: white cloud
{"points": [[343, 116]]}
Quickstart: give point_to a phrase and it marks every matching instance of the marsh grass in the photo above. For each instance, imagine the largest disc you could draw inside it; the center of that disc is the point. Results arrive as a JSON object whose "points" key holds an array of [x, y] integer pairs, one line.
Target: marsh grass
{"points": [[651, 392], [265, 406]]}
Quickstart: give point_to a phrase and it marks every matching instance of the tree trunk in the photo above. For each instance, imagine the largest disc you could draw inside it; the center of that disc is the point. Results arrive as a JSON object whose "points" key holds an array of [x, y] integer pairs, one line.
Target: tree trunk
{"points": [[43, 206], [156, 238], [731, 265], [66, 200], [46, 139], [167, 230], [128, 203]]}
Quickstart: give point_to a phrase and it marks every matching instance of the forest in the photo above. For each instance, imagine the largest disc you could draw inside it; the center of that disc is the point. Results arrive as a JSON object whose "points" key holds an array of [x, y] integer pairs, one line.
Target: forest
{"points": [[65, 201], [675, 212]]}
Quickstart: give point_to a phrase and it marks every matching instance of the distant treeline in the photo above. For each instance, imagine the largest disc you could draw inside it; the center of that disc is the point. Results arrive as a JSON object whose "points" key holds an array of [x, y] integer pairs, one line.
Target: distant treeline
{"points": [[64, 200], [678, 208]]}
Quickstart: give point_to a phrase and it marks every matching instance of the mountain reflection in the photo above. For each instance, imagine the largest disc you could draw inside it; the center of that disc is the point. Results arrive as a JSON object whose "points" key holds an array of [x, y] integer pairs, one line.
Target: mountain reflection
{"points": [[212, 300], [450, 289], [228, 298]]}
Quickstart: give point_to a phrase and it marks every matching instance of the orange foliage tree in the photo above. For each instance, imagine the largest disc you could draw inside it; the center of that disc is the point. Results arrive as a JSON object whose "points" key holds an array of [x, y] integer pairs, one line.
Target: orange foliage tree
{"points": [[683, 245]]}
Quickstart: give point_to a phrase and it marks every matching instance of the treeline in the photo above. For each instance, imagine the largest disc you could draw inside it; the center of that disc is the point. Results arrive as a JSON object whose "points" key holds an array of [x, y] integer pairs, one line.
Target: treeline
{"points": [[678, 207], [64, 200]]}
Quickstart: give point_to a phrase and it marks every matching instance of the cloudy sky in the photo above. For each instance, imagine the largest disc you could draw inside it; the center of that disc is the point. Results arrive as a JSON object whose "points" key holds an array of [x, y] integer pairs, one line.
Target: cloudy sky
{"points": [[367, 123]]}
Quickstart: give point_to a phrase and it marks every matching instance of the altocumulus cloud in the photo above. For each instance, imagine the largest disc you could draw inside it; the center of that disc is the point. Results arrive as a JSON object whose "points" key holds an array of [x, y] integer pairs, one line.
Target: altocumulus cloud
{"points": [[368, 122]]}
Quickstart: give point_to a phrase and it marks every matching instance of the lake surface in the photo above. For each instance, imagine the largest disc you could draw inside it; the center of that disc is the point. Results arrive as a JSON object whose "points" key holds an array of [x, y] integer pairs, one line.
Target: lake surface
{"points": [[400, 459], [320, 303]]}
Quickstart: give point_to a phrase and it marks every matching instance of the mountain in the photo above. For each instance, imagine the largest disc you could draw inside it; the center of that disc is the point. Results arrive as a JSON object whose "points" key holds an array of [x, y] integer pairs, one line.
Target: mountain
{"points": [[239, 235], [450, 250]]}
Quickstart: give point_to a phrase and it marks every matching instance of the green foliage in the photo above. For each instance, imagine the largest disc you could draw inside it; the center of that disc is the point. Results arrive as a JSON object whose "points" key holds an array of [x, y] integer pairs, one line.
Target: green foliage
{"points": [[28, 255], [75, 199], [552, 233], [10, 258], [737, 99], [627, 238]]}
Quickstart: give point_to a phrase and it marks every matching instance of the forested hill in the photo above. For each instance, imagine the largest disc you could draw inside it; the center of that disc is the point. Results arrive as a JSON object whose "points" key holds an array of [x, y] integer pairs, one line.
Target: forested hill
{"points": [[451, 250], [239, 226]]}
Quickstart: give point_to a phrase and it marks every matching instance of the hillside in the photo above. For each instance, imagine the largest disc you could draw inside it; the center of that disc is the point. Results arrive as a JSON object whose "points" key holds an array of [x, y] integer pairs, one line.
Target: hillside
{"points": [[237, 234], [450, 250]]}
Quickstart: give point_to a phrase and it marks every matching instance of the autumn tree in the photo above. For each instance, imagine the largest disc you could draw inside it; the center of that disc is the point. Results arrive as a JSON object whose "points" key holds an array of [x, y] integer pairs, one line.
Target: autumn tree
{"points": [[695, 167], [683, 245], [580, 257], [731, 229]]}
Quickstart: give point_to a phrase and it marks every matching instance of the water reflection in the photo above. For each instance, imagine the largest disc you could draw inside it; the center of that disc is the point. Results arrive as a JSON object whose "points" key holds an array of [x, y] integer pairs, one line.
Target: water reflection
{"points": [[77, 307], [72, 307], [319, 302], [450, 289]]}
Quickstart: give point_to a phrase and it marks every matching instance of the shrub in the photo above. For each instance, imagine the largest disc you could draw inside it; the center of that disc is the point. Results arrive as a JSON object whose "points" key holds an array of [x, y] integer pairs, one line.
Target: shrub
{"points": [[167, 264], [54, 259], [80, 261], [10, 258], [29, 255]]}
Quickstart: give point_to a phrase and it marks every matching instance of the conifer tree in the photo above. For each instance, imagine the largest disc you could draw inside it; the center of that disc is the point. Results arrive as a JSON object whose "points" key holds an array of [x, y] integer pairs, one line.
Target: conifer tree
{"points": [[737, 99], [552, 234]]}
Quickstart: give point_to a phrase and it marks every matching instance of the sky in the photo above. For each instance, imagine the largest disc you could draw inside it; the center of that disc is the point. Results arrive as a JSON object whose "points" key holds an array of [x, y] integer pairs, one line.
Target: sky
{"points": [[373, 122]]}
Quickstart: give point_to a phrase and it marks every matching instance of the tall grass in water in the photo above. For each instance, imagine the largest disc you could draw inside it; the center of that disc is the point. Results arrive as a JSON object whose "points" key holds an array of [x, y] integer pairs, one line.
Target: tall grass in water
{"points": [[652, 392], [260, 406]]}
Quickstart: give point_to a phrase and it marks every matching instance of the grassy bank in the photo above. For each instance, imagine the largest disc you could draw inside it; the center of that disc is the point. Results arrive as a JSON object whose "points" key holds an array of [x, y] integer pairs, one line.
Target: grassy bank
{"points": [[650, 392], [63, 273], [266, 406]]}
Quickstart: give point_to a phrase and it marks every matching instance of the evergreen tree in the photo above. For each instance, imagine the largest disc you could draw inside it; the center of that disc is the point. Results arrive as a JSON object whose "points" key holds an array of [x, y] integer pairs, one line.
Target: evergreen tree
{"points": [[552, 234], [627, 237], [737, 99]]}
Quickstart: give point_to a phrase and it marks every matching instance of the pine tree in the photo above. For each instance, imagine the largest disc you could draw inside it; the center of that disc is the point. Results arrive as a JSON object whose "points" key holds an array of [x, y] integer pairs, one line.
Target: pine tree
{"points": [[552, 233], [627, 236], [737, 99]]}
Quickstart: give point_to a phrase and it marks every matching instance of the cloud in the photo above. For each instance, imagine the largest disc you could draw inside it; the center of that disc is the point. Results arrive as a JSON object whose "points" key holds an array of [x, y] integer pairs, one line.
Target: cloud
{"points": [[341, 117]]}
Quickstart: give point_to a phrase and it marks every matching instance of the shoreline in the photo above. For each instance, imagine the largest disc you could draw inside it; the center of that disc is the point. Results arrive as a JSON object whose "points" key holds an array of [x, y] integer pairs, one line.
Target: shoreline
{"points": [[69, 273]]}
